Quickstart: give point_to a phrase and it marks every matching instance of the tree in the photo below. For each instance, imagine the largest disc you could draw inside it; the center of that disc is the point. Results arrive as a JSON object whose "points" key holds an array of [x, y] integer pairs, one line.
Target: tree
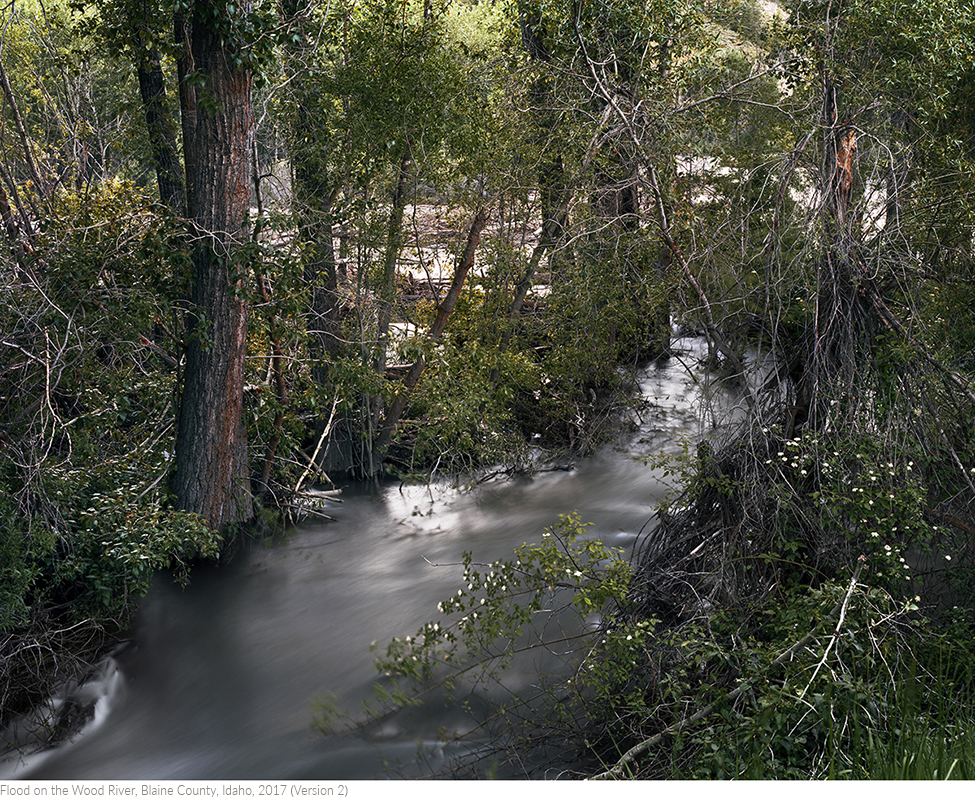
{"points": [[381, 99], [212, 475], [317, 179], [601, 94], [160, 125]]}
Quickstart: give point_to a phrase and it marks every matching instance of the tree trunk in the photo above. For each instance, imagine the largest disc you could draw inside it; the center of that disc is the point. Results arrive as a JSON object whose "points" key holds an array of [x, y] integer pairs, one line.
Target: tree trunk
{"points": [[387, 292], [211, 476], [185, 68], [162, 131], [839, 350]]}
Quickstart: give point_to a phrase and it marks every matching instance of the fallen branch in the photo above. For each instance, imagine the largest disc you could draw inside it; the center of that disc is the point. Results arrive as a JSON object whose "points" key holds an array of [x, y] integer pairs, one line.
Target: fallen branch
{"points": [[839, 624]]}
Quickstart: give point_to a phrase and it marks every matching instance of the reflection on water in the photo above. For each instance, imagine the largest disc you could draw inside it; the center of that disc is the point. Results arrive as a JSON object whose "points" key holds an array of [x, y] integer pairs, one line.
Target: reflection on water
{"points": [[221, 677]]}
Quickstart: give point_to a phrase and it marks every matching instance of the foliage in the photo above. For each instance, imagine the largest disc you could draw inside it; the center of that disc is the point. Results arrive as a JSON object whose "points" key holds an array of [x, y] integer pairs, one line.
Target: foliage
{"points": [[548, 595], [86, 416], [639, 159], [820, 678], [597, 312], [885, 709], [489, 632], [855, 449], [76, 99], [466, 420]]}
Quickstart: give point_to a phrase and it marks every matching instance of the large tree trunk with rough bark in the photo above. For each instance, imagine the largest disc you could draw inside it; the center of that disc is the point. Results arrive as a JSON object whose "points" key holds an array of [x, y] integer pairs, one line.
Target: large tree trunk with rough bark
{"points": [[212, 476], [185, 69]]}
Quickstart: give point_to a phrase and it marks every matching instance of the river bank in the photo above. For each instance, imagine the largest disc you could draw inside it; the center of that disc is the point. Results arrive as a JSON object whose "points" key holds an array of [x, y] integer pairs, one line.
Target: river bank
{"points": [[748, 649]]}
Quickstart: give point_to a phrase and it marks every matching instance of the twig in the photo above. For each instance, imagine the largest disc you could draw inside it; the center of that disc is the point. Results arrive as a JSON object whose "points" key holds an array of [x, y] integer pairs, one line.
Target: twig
{"points": [[839, 623], [318, 447]]}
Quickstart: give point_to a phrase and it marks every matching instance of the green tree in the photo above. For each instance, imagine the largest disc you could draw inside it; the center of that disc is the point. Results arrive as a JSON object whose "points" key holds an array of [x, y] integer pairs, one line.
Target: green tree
{"points": [[382, 106]]}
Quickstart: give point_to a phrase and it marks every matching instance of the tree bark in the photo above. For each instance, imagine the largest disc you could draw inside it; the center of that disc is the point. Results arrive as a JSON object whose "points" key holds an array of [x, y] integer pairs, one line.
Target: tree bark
{"points": [[211, 476]]}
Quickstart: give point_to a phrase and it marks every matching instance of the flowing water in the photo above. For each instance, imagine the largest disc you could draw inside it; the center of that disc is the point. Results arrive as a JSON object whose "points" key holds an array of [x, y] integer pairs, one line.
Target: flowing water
{"points": [[221, 678]]}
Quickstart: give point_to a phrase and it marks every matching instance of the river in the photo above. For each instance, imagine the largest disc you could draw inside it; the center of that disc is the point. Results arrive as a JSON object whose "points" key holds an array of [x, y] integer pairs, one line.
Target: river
{"points": [[220, 678]]}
